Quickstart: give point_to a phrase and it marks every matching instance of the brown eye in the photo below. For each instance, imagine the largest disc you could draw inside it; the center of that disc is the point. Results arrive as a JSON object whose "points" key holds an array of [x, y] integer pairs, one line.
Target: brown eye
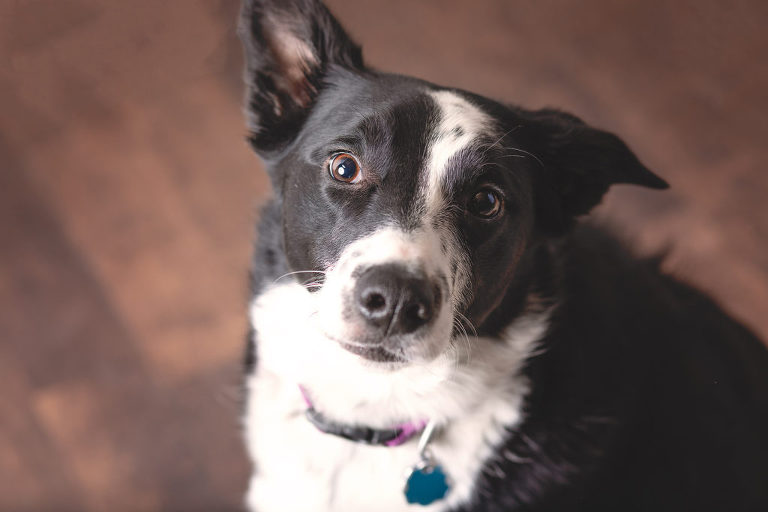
{"points": [[344, 167], [485, 203]]}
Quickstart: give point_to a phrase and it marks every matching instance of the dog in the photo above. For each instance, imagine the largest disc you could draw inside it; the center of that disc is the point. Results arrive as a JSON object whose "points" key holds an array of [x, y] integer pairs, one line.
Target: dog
{"points": [[435, 327]]}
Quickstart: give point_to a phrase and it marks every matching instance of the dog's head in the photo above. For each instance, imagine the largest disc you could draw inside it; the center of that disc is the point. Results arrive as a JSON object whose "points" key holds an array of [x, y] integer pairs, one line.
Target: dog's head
{"points": [[414, 203]]}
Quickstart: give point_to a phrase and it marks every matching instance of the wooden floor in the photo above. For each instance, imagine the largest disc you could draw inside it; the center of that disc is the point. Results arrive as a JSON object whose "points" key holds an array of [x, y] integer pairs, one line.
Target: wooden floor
{"points": [[127, 196]]}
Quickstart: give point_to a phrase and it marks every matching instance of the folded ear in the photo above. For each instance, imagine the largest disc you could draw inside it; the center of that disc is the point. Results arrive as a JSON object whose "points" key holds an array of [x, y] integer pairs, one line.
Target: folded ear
{"points": [[579, 164], [289, 46]]}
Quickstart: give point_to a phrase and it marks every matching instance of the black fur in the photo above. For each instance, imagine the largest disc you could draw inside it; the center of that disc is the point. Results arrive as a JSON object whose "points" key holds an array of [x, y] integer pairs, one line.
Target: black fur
{"points": [[646, 397]]}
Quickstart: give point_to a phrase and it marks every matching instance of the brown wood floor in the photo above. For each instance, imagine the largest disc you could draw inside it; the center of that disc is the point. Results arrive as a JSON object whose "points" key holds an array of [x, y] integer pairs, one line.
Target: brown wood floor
{"points": [[127, 196]]}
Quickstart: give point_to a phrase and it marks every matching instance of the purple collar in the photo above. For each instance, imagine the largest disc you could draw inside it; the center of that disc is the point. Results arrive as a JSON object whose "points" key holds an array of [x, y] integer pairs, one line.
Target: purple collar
{"points": [[394, 436]]}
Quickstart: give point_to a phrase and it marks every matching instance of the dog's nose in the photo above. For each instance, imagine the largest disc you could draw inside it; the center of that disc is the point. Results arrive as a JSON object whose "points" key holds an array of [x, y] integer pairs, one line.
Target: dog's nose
{"points": [[394, 300]]}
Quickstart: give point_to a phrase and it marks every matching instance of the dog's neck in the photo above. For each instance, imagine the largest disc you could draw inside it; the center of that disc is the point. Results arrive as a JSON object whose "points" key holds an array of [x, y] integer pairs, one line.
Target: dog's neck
{"points": [[535, 284], [395, 436]]}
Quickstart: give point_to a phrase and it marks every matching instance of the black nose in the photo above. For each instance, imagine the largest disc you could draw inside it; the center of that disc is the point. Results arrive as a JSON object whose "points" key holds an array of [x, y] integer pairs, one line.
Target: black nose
{"points": [[394, 300]]}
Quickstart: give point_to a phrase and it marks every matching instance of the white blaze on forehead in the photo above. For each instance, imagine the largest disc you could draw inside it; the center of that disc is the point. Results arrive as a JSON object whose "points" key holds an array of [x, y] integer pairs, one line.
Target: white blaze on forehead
{"points": [[391, 245], [461, 123]]}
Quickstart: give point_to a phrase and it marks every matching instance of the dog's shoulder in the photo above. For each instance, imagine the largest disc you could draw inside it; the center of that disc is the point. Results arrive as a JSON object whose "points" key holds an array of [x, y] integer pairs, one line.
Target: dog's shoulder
{"points": [[688, 388], [648, 312]]}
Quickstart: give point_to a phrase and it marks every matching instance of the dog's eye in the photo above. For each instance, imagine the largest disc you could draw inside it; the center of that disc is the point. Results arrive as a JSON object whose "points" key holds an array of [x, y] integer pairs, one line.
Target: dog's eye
{"points": [[485, 203], [344, 167]]}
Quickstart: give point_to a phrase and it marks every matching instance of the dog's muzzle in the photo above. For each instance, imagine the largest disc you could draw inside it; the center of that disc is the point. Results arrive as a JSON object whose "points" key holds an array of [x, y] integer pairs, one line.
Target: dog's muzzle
{"points": [[393, 300]]}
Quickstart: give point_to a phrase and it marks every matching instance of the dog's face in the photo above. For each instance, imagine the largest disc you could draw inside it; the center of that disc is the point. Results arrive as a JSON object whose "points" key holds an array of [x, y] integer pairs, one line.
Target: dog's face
{"points": [[408, 209], [403, 194]]}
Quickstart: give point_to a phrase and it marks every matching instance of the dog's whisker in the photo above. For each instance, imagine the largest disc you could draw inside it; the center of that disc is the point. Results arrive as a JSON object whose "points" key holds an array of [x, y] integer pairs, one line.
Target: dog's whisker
{"points": [[299, 272], [463, 337], [467, 322], [528, 153], [502, 138]]}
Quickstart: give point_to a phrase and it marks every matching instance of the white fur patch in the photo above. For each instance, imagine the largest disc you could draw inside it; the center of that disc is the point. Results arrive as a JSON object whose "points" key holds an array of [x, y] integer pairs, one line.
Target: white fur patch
{"points": [[420, 250], [474, 392], [461, 123]]}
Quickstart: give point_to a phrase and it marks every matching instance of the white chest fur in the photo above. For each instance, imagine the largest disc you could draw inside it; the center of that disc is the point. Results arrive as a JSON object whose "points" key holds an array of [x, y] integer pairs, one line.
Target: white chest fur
{"points": [[476, 397]]}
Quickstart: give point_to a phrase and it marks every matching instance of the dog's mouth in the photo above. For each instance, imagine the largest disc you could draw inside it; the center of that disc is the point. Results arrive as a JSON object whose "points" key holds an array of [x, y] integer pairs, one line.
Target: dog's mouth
{"points": [[375, 353]]}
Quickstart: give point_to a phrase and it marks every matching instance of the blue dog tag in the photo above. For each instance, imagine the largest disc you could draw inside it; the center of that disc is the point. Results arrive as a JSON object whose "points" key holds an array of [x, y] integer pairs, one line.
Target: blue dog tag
{"points": [[426, 484]]}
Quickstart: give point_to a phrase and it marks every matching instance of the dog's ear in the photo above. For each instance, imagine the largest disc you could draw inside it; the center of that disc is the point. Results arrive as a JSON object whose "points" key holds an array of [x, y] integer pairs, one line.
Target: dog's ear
{"points": [[579, 163], [289, 46]]}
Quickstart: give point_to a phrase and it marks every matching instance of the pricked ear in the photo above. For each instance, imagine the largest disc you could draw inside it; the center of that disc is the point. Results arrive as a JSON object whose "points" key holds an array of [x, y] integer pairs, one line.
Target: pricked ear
{"points": [[289, 46], [579, 164]]}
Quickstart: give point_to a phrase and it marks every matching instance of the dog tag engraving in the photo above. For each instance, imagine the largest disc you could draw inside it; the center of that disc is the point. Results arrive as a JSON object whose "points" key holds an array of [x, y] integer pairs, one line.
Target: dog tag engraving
{"points": [[426, 484]]}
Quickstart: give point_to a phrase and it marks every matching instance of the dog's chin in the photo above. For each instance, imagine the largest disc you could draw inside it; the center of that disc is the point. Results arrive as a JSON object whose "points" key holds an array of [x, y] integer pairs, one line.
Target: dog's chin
{"points": [[375, 354]]}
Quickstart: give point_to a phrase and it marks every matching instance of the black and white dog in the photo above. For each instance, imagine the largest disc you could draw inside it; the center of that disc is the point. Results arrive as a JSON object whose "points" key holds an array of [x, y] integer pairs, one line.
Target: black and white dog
{"points": [[432, 329]]}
